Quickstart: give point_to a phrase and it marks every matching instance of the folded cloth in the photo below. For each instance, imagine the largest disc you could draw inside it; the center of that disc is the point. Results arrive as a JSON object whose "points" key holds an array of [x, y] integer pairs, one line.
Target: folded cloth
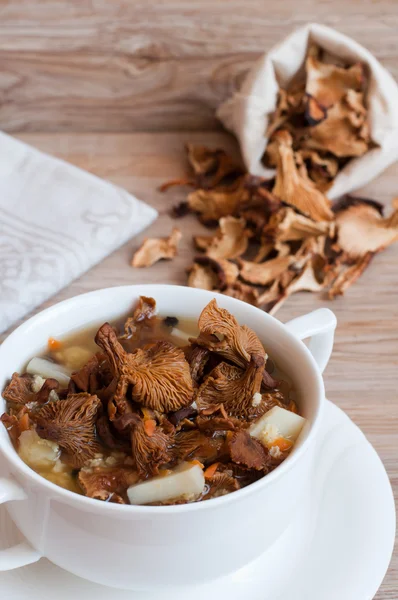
{"points": [[248, 111], [56, 221]]}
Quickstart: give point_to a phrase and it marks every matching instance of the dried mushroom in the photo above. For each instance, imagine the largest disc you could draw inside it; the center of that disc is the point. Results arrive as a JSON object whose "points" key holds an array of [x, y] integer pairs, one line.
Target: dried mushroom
{"points": [[151, 448], [154, 249], [265, 272], [232, 387], [282, 236], [44, 393], [220, 484], [290, 239], [329, 83], [11, 423], [361, 228], [326, 115], [142, 316], [212, 167], [158, 375], [71, 424], [249, 452], [213, 422], [221, 333], [289, 226], [244, 292], [341, 133], [295, 189], [212, 205], [107, 483], [210, 274], [349, 276], [196, 444], [197, 358], [19, 390], [230, 240]]}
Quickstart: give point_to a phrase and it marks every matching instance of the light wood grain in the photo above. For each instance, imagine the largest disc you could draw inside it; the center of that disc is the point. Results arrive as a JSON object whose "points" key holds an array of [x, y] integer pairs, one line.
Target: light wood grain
{"points": [[67, 91], [362, 377], [146, 66], [180, 29]]}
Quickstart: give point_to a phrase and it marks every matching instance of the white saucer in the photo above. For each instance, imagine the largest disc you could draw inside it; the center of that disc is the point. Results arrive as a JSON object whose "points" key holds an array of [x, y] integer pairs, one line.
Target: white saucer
{"points": [[339, 547]]}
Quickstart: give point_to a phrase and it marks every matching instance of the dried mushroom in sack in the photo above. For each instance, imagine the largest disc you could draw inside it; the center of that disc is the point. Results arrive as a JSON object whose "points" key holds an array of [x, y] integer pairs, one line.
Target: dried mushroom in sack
{"points": [[326, 116], [154, 418]]}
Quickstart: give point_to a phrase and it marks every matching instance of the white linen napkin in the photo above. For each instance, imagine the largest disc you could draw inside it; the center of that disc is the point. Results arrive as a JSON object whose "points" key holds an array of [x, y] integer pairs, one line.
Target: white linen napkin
{"points": [[56, 221], [246, 113]]}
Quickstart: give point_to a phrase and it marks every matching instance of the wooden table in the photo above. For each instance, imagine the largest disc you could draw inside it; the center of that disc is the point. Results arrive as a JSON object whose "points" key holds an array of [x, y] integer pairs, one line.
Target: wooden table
{"points": [[117, 87]]}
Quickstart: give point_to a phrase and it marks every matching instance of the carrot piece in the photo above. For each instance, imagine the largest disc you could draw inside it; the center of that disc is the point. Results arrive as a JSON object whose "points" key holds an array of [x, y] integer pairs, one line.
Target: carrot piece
{"points": [[147, 413], [54, 344], [24, 423], [211, 470], [149, 427], [283, 444]]}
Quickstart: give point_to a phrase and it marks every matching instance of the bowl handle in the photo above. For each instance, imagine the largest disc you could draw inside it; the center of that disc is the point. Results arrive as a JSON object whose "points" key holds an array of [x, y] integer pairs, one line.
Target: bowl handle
{"points": [[318, 325], [21, 554]]}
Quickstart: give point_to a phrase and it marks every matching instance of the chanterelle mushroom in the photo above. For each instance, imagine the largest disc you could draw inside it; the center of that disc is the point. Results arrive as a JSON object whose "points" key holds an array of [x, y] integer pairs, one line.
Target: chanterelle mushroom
{"points": [[220, 332], [210, 274], [211, 166], [151, 448], [293, 188], [154, 249], [142, 315], [230, 241], [329, 83], [249, 452], [211, 205], [265, 272], [341, 133], [220, 484], [361, 228], [158, 374], [19, 390], [71, 423], [233, 387], [287, 226], [107, 483]]}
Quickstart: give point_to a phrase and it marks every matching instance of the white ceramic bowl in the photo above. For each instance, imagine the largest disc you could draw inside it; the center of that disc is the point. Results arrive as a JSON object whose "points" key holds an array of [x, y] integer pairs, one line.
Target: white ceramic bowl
{"points": [[139, 547]]}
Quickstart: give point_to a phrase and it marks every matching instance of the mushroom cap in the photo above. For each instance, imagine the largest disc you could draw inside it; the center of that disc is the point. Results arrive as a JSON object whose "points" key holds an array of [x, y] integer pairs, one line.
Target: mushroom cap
{"points": [[293, 188], [158, 374], [19, 390], [71, 423], [154, 249], [104, 483], [220, 332], [361, 228], [232, 387]]}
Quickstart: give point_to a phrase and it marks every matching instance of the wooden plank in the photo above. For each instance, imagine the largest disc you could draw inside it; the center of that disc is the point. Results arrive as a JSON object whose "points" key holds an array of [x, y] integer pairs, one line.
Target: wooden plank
{"points": [[362, 375], [67, 91], [86, 92], [177, 28], [140, 66]]}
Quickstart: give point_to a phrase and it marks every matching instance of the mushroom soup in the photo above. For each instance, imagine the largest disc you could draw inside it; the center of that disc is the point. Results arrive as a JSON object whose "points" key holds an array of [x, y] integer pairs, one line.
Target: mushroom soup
{"points": [[154, 410]]}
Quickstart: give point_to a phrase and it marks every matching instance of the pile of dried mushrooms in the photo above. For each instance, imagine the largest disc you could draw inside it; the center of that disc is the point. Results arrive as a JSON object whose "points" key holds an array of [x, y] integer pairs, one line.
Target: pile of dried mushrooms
{"points": [[280, 236]]}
